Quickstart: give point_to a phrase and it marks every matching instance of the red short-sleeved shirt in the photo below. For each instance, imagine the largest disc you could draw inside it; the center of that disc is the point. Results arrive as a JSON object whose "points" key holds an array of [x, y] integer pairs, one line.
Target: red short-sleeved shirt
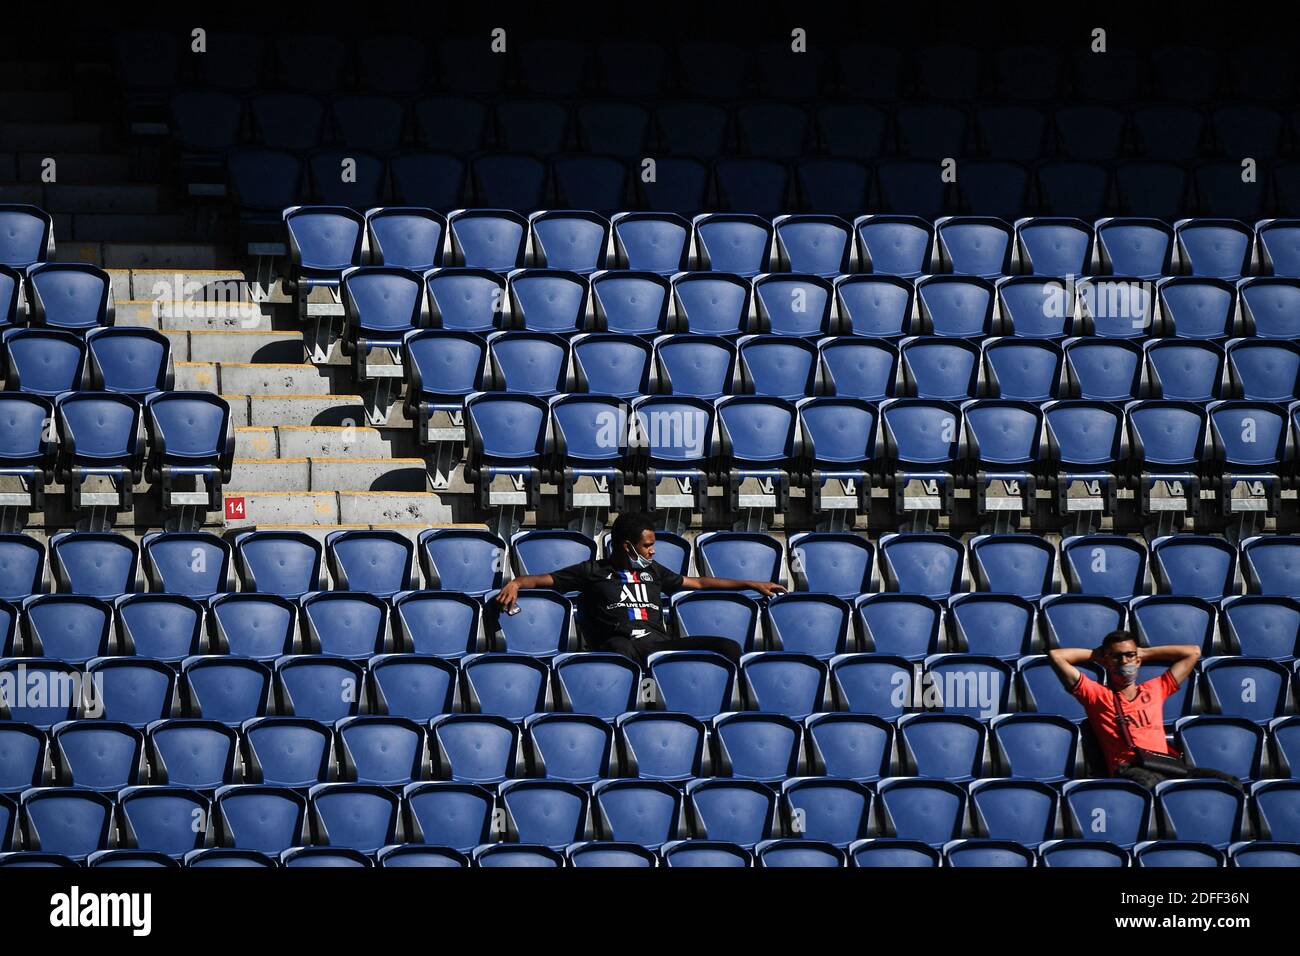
{"points": [[1144, 714]]}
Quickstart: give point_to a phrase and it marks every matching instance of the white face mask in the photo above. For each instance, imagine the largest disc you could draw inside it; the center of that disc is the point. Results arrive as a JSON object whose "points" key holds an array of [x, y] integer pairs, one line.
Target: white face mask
{"points": [[637, 561], [1127, 673]]}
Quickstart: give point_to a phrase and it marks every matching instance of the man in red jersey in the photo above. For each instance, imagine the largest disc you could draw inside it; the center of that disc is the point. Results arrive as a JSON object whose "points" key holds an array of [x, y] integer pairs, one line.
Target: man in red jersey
{"points": [[1126, 717]]}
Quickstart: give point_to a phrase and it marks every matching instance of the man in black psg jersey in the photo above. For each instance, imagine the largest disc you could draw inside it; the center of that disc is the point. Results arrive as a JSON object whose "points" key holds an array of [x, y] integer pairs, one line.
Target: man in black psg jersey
{"points": [[620, 595]]}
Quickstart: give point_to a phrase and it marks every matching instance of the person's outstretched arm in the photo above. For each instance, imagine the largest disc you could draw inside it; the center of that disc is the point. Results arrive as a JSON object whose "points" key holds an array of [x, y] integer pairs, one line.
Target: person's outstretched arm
{"points": [[765, 588], [1066, 661], [1181, 658], [509, 590]]}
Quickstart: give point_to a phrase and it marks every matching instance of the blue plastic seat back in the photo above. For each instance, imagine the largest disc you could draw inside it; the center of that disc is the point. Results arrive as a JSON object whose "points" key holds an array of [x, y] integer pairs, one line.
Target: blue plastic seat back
{"points": [[1270, 304], [714, 303], [69, 821], [230, 690], [987, 853], [162, 818], [1135, 247], [735, 811], [287, 563], [1196, 308], [463, 560], [957, 306], [906, 625], [1107, 565], [1036, 308], [540, 627], [1265, 371], [22, 764], [1278, 806], [1279, 242], [664, 746], [265, 819], [742, 556], [676, 431], [383, 751], [1256, 689], [1262, 626], [99, 754], [968, 684], [819, 245], [921, 432], [1026, 370], [942, 369], [24, 235], [325, 239], [196, 753], [167, 627], [444, 362], [101, 564], [794, 305], [1196, 565], [1036, 746], [452, 815], [1104, 370], [477, 748], [542, 551], [1216, 248], [407, 238], [545, 812], [1003, 433], [868, 683], [319, 687], [511, 427], [994, 625], [506, 685], [604, 685], [1055, 247], [1083, 433], [930, 811], [1023, 811], [785, 682], [1273, 564], [860, 368], [893, 853], [442, 623], [759, 746], [468, 300], [71, 295], [631, 303], [260, 626], [549, 300], [1168, 434], [878, 305], [1207, 811], [69, 627], [382, 300], [1170, 619], [838, 433], [1191, 371], [131, 361], [194, 564], [831, 563], [346, 623], [612, 364], [922, 563], [779, 367], [489, 239], [23, 432], [1113, 811], [194, 426], [413, 686], [699, 366], [289, 751], [591, 429], [757, 430], [652, 242], [739, 244], [1230, 744], [102, 425], [572, 747], [570, 240], [1079, 853], [356, 816], [699, 683], [647, 813], [533, 363], [374, 561], [135, 691], [943, 746], [851, 746], [975, 246]]}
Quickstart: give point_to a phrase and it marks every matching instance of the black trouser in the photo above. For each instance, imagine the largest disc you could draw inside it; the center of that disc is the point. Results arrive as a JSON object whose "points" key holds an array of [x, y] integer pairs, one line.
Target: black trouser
{"points": [[1149, 778], [640, 648]]}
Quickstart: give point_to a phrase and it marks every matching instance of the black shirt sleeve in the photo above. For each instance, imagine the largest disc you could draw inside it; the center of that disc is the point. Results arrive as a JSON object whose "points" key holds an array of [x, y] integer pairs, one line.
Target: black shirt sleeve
{"points": [[575, 577], [669, 580]]}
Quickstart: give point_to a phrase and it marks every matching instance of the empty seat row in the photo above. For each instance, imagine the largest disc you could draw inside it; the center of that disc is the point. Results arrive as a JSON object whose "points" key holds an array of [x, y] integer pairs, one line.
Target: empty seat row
{"points": [[650, 814], [334, 237]]}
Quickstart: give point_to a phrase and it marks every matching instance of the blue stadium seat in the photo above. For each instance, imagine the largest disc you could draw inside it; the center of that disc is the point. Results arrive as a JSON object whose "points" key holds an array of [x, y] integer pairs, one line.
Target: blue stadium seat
{"points": [[465, 299], [71, 296], [475, 748], [940, 369], [705, 853], [986, 853], [23, 754], [381, 304], [1023, 369], [548, 813], [794, 305], [549, 300], [68, 821], [1020, 811], [379, 562], [411, 685], [1112, 811], [1263, 853], [955, 306], [1047, 246], [1001, 625], [1161, 619], [323, 856], [324, 242], [381, 751], [870, 683], [1086, 445], [898, 245], [1277, 247], [699, 683], [100, 435], [741, 555], [353, 815], [541, 628], [28, 235], [1277, 808], [194, 564], [1034, 307], [604, 685], [809, 623], [1041, 690], [227, 689], [1082, 853], [1115, 308], [814, 244], [943, 746], [260, 626], [890, 852], [742, 812], [922, 563], [260, 818], [1231, 744], [493, 239], [1207, 811], [645, 812], [876, 305], [1035, 747], [1255, 625], [1142, 248], [973, 245], [98, 754], [130, 361], [630, 302], [931, 811], [862, 368], [576, 748], [700, 366], [436, 180], [568, 239], [1176, 853], [798, 853], [462, 559], [838, 563], [757, 442], [447, 814], [102, 564], [1203, 566], [923, 440], [777, 366], [200, 754], [1003, 440], [131, 858], [544, 550], [739, 243], [1269, 563], [1106, 565], [1217, 248], [763, 747], [839, 443], [531, 363], [29, 451], [853, 746], [1190, 371], [907, 625], [651, 242], [784, 682], [611, 363], [714, 303], [191, 438], [1267, 371], [349, 624], [72, 628], [136, 691], [727, 614], [318, 687], [161, 819], [165, 627], [1197, 308], [1257, 689], [663, 746], [287, 751], [1267, 306], [505, 685], [505, 437], [406, 237], [287, 563]]}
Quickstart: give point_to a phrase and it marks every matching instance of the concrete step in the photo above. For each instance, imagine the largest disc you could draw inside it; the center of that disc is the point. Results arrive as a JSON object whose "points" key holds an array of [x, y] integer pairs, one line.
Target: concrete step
{"points": [[248, 378], [258, 441], [340, 509], [185, 283], [55, 137], [130, 227], [281, 410], [196, 376], [240, 345], [332, 441], [269, 474], [167, 255], [329, 474], [196, 315], [103, 198]]}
